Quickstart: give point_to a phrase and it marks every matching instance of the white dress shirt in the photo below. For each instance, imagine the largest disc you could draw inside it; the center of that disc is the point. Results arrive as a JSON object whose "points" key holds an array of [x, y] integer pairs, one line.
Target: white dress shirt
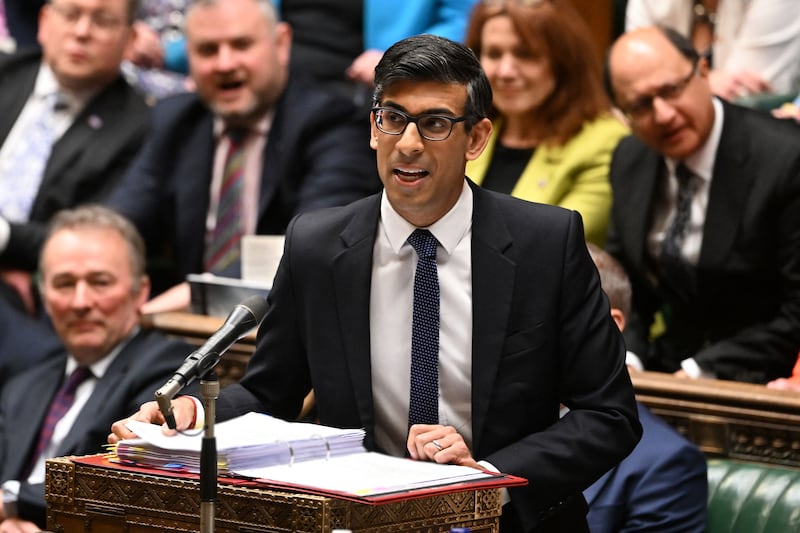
{"points": [[393, 265], [701, 163]]}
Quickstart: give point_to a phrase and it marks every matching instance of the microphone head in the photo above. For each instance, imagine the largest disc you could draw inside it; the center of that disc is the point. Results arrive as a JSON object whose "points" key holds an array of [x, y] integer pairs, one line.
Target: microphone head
{"points": [[257, 306]]}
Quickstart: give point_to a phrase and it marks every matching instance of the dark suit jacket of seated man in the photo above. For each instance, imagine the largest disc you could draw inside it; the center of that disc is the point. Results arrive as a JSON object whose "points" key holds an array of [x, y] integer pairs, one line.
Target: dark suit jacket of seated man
{"points": [[736, 311]]}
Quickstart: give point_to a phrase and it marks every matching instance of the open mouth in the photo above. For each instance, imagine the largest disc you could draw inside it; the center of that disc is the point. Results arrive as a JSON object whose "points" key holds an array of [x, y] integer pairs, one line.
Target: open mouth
{"points": [[410, 175]]}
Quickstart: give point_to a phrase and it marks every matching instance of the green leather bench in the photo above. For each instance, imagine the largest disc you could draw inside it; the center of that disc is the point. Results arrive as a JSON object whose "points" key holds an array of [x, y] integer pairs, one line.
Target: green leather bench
{"points": [[752, 498]]}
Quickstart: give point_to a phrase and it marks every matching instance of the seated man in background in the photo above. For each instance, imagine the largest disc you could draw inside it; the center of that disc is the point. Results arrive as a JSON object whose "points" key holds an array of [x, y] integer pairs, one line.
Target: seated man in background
{"points": [[249, 150], [69, 126], [705, 217], [663, 484], [93, 284]]}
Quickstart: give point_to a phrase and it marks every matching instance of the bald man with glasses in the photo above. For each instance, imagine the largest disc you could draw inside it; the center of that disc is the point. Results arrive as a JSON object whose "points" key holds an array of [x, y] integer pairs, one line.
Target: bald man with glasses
{"points": [[705, 219]]}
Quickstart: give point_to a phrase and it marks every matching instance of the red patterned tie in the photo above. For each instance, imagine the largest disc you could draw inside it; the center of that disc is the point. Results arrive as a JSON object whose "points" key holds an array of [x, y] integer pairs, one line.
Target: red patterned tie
{"points": [[223, 249], [61, 403]]}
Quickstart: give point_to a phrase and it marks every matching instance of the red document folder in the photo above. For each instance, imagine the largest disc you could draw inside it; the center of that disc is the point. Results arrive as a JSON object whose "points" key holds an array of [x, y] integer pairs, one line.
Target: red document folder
{"points": [[492, 480]]}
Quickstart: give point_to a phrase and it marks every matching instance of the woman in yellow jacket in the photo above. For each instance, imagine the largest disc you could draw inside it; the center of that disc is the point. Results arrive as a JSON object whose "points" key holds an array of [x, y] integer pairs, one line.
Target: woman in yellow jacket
{"points": [[554, 131]]}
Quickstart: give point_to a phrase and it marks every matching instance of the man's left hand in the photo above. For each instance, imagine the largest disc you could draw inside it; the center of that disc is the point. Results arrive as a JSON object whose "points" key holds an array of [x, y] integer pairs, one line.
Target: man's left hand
{"points": [[440, 444]]}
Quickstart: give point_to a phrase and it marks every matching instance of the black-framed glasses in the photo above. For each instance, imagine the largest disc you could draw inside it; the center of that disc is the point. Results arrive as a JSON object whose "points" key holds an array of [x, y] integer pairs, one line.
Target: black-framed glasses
{"points": [[430, 126], [100, 20], [643, 105]]}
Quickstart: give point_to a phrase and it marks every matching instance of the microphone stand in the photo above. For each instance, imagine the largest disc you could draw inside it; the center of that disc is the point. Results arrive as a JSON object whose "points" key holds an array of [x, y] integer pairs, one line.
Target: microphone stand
{"points": [[209, 390]]}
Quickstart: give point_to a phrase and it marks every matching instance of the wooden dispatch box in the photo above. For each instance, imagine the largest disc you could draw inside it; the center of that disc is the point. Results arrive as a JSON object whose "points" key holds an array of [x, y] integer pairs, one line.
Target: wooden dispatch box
{"points": [[84, 497]]}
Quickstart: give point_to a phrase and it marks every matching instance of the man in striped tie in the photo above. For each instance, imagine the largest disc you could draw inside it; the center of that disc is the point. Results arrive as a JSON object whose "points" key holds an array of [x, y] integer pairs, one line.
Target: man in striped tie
{"points": [[251, 148]]}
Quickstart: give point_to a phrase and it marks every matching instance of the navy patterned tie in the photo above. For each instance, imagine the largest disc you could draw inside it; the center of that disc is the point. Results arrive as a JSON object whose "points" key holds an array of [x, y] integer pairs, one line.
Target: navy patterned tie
{"points": [[424, 398], [673, 264]]}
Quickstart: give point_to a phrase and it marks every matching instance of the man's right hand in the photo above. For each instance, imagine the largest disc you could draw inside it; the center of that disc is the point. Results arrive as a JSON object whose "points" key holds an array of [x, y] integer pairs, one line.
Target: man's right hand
{"points": [[183, 408]]}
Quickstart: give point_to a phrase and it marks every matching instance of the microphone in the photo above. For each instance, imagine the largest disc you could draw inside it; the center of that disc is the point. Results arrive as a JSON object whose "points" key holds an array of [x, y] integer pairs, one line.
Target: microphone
{"points": [[246, 316]]}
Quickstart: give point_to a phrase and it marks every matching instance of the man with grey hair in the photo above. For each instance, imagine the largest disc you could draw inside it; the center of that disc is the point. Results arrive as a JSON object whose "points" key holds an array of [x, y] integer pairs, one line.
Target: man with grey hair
{"points": [[93, 285], [248, 150]]}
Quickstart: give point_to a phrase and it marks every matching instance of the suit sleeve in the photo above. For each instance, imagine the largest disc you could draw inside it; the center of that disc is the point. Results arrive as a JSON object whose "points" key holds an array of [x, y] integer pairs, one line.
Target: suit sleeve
{"points": [[602, 426]]}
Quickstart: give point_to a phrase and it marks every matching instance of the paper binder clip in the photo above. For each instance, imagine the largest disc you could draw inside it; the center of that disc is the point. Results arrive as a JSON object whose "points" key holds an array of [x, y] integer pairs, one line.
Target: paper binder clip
{"points": [[291, 452], [327, 445]]}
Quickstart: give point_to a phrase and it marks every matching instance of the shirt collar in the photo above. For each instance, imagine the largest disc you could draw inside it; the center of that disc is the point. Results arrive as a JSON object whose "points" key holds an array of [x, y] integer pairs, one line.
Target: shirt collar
{"points": [[448, 230], [100, 367], [261, 127], [46, 85], [701, 162]]}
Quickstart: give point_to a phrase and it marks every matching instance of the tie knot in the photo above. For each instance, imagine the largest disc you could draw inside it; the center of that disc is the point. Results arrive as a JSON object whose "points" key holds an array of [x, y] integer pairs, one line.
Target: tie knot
{"points": [[237, 135], [423, 242], [684, 175], [78, 376]]}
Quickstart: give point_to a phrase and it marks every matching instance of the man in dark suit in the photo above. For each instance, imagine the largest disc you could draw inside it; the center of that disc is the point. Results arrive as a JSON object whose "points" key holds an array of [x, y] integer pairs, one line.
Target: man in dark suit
{"points": [[95, 123], [93, 285], [524, 324], [304, 148], [706, 218], [663, 484]]}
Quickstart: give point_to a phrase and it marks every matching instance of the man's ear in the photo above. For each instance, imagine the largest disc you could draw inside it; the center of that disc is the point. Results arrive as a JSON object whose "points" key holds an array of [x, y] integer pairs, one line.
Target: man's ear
{"points": [[619, 318], [478, 138]]}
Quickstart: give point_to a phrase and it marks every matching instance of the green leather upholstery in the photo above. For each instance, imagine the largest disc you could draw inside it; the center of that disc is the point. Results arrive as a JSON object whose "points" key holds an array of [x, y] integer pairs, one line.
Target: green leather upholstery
{"points": [[752, 498]]}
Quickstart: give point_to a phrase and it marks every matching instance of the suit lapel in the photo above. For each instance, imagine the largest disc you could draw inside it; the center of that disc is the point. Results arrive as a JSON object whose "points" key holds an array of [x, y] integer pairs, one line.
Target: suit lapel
{"points": [[732, 180], [639, 201], [492, 293], [90, 123], [16, 85], [352, 270], [41, 389], [94, 408]]}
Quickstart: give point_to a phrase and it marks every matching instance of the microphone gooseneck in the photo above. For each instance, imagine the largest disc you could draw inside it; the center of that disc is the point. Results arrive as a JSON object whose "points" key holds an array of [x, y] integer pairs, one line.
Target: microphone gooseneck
{"points": [[246, 316]]}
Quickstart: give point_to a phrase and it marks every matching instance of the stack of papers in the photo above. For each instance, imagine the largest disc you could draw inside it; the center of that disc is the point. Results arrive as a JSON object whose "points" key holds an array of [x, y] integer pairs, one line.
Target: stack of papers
{"points": [[251, 441]]}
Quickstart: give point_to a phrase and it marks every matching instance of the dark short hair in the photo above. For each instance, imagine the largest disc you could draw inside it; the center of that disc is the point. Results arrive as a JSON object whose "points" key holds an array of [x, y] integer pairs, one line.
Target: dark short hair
{"points": [[613, 279], [430, 58], [679, 41], [100, 217]]}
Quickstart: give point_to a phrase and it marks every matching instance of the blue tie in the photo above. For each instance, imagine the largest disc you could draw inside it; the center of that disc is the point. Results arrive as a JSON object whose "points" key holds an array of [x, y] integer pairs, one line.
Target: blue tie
{"points": [[424, 398]]}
